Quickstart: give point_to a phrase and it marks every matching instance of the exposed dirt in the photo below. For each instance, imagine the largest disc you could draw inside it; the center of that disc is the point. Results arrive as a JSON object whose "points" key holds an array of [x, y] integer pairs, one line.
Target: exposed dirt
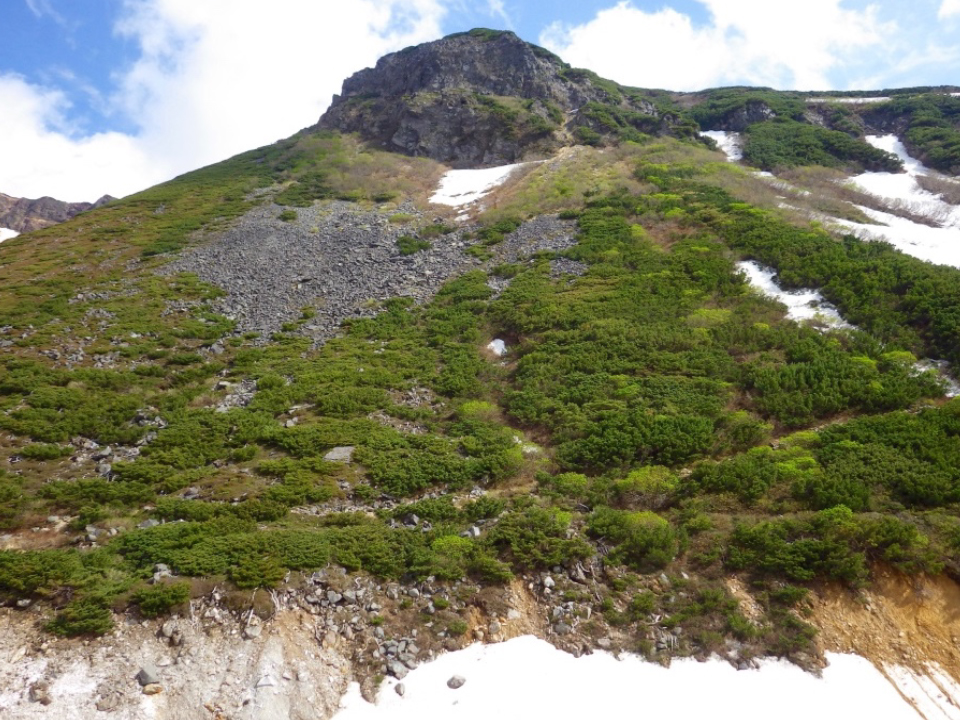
{"points": [[908, 621]]}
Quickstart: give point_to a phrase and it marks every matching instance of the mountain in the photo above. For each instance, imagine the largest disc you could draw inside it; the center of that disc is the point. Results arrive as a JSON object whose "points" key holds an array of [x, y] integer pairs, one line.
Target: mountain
{"points": [[23, 215], [487, 98], [340, 404]]}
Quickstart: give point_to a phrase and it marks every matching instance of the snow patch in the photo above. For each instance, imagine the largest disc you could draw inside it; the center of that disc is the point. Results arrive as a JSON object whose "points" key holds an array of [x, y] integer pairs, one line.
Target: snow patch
{"points": [[729, 143], [935, 696], [7, 234], [528, 677], [801, 304], [940, 244], [849, 100], [459, 188], [498, 347]]}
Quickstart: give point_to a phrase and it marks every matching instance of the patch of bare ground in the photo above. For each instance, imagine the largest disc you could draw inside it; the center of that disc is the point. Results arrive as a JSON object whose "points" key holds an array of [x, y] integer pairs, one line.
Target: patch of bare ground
{"points": [[947, 188], [900, 621]]}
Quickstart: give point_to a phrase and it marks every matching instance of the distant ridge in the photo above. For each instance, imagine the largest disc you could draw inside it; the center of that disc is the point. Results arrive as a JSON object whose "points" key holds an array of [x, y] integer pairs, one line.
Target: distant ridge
{"points": [[25, 215]]}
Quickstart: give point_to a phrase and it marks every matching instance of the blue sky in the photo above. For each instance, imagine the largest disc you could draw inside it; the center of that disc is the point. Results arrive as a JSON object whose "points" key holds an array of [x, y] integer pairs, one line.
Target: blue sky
{"points": [[112, 96]]}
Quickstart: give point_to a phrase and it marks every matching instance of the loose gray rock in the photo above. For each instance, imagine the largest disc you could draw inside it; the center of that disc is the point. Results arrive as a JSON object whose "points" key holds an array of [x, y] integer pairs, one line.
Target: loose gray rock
{"points": [[562, 629], [342, 453], [148, 675], [397, 669], [456, 682], [40, 692], [169, 628], [400, 689]]}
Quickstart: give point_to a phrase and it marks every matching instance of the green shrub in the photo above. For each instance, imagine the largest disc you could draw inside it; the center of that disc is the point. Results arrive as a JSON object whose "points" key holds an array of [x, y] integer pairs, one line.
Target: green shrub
{"points": [[86, 616], [287, 216], [43, 451], [408, 245], [643, 540], [160, 599]]}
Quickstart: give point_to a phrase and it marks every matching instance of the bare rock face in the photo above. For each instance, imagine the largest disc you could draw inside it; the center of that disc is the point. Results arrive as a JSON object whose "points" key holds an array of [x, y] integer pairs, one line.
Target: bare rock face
{"points": [[25, 215], [472, 99]]}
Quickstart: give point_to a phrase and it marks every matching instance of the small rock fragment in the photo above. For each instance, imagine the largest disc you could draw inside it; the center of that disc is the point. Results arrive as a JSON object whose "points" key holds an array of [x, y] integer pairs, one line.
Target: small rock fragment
{"points": [[148, 675]]}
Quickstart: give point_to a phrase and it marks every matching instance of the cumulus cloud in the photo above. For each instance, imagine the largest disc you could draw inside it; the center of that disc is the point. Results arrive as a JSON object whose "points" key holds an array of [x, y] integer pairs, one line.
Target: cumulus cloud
{"points": [[745, 41], [41, 158], [949, 8], [212, 79]]}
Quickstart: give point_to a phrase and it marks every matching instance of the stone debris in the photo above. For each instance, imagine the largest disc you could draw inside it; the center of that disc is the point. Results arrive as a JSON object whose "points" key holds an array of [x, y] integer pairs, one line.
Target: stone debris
{"points": [[341, 453], [148, 675], [341, 261], [456, 682]]}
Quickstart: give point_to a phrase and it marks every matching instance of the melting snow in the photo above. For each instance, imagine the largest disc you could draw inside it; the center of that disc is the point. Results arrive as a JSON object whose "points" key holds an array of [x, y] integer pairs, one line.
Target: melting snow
{"points": [[934, 244], [528, 677], [934, 695], [463, 187], [7, 234], [801, 304], [849, 100], [498, 347], [729, 142]]}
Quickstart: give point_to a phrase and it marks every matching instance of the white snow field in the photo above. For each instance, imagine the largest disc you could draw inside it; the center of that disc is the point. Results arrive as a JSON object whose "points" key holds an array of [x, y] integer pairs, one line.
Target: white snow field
{"points": [[498, 347], [801, 304], [939, 244], [7, 234], [528, 678], [459, 188], [729, 142], [849, 100]]}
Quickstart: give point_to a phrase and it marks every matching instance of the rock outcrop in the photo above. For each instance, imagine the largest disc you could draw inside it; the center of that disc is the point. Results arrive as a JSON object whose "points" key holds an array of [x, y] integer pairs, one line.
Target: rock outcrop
{"points": [[479, 98], [25, 215]]}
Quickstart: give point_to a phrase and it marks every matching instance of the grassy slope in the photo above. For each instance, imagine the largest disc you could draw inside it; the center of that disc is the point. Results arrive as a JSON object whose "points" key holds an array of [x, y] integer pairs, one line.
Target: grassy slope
{"points": [[671, 404]]}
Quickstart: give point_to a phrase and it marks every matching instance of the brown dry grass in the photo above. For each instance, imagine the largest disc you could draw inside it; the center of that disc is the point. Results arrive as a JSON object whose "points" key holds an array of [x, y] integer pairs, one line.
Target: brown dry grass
{"points": [[947, 188]]}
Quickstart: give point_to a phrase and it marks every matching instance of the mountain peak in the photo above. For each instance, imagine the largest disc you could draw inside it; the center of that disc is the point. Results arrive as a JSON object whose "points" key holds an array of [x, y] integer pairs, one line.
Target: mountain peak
{"points": [[483, 97]]}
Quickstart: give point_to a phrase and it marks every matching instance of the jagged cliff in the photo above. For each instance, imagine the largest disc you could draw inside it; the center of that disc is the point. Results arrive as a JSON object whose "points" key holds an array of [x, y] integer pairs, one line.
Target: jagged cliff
{"points": [[484, 98], [26, 215]]}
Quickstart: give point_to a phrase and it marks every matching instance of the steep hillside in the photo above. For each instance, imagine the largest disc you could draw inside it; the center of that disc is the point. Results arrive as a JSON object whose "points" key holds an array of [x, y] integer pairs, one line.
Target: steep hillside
{"points": [[296, 383]]}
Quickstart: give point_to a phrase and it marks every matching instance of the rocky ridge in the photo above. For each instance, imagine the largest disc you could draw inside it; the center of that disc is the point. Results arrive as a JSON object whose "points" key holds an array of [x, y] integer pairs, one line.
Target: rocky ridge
{"points": [[24, 215], [475, 99]]}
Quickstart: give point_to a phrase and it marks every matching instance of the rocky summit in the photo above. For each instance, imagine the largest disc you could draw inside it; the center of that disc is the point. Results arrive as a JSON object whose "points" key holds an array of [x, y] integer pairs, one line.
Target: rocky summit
{"points": [[480, 98]]}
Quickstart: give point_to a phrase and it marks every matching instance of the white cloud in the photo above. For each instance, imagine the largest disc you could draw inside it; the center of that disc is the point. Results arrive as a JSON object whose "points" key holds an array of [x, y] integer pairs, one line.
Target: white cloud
{"points": [[43, 7], [40, 159], [784, 45], [214, 78], [949, 8]]}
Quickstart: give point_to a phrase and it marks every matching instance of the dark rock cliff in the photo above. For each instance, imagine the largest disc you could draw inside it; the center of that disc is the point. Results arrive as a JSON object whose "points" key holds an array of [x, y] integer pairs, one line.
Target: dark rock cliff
{"points": [[482, 98]]}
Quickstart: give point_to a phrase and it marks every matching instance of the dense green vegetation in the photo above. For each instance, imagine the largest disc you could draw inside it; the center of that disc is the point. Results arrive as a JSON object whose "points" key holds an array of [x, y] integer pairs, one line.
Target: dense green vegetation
{"points": [[782, 143], [654, 411], [933, 128]]}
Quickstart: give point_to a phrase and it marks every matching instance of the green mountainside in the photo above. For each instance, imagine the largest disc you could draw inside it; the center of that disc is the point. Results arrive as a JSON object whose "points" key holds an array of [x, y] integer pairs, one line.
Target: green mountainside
{"points": [[655, 426]]}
